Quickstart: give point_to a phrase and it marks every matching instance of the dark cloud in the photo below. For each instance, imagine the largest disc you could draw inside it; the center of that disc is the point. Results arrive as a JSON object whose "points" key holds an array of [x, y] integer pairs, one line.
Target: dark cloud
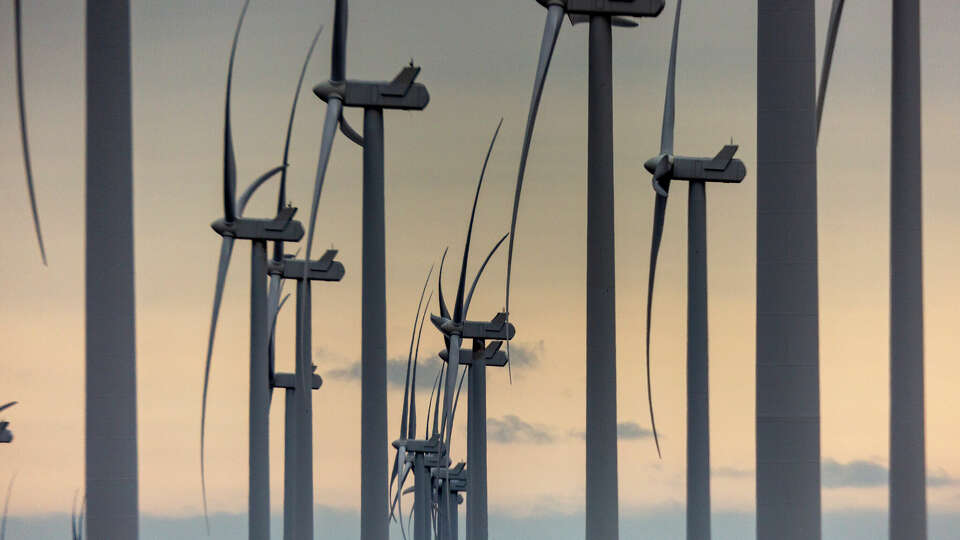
{"points": [[511, 429]]}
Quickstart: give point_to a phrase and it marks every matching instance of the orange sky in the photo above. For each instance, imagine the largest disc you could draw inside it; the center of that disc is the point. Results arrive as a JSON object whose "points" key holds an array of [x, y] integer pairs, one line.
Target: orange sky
{"points": [[478, 64]]}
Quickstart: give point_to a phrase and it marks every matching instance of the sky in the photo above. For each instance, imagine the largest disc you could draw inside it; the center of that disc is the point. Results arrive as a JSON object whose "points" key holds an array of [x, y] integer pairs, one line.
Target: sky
{"points": [[478, 62]]}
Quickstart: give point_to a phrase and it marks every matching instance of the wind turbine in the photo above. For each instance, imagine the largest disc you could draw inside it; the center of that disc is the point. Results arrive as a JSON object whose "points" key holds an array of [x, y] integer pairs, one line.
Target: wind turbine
{"points": [[456, 327], [6, 436], [76, 520], [601, 419], [18, 47], [697, 171], [259, 231], [373, 97]]}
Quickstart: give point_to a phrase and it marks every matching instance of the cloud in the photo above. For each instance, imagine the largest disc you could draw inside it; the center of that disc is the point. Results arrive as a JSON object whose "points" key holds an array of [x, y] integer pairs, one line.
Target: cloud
{"points": [[858, 473], [626, 431], [396, 372], [511, 429], [525, 355], [732, 472], [865, 474], [629, 431]]}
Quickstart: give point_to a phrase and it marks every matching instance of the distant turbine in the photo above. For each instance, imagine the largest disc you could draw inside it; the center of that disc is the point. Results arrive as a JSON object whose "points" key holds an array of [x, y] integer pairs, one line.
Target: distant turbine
{"points": [[76, 520], [18, 29], [787, 355], [6, 436], [602, 506], [455, 328], [698, 171], [111, 382], [259, 231], [373, 97]]}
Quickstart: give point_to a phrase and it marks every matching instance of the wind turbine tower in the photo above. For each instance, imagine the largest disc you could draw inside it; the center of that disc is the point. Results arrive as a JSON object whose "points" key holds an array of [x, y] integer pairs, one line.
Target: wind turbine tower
{"points": [[908, 501], [788, 363], [602, 506], [111, 381]]}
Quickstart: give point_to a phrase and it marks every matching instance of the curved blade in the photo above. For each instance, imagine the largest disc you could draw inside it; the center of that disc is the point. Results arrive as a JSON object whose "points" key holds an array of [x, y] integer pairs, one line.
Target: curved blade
{"points": [[466, 307], [338, 58], [835, 14], [453, 412], [273, 332], [254, 186], [433, 388], [282, 193], [226, 250], [334, 107], [458, 305], [444, 312], [6, 506], [436, 404], [7, 406], [412, 430], [17, 28], [551, 30], [661, 176], [659, 213], [669, 104], [406, 382], [229, 159]]}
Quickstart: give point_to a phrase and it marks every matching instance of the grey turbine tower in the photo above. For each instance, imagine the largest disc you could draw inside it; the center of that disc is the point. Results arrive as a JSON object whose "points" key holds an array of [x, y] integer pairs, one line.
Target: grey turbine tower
{"points": [[787, 363], [908, 501], [111, 382], [373, 97], [697, 171], [601, 416], [259, 231]]}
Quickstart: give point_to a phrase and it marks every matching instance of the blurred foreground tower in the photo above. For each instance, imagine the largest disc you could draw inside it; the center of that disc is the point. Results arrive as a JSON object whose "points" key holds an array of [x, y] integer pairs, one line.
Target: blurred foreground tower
{"points": [[908, 502], [111, 382], [788, 379]]}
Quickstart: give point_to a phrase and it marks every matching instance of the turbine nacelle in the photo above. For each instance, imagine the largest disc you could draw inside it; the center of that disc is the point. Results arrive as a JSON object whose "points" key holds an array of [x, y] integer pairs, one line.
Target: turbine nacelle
{"points": [[402, 93], [720, 168], [627, 8]]}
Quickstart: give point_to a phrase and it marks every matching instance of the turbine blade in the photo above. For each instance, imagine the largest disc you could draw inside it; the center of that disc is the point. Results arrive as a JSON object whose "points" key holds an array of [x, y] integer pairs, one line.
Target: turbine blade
{"points": [[254, 186], [226, 250], [73, 517], [832, 30], [338, 60], [17, 27], [83, 516], [436, 405], [659, 213], [406, 382], [282, 197], [669, 105], [476, 279], [444, 312], [456, 401], [349, 132], [7, 406], [412, 430], [229, 159], [6, 507], [458, 305], [434, 387], [551, 30], [334, 107]]}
